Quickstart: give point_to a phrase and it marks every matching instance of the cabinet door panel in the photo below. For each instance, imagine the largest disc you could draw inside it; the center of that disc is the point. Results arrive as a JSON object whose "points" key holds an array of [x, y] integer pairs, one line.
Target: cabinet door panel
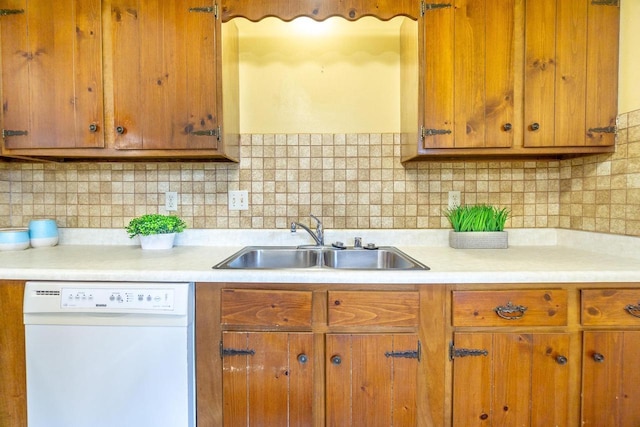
{"points": [[602, 71], [261, 389], [611, 386], [516, 383], [469, 79], [472, 378], [368, 387], [540, 66], [52, 74], [164, 60], [439, 75]]}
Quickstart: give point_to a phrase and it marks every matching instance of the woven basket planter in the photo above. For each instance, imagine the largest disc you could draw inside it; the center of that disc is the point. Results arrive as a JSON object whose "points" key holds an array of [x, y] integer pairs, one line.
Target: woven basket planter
{"points": [[478, 240]]}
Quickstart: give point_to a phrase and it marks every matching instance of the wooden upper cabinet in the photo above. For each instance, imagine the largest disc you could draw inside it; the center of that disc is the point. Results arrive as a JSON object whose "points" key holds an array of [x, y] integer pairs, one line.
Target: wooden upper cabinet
{"points": [[571, 73], [52, 89], [468, 74], [255, 10], [164, 69]]}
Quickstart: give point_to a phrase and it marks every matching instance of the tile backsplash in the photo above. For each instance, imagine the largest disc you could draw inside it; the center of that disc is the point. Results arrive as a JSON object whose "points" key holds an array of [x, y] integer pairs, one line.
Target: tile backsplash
{"points": [[349, 180]]}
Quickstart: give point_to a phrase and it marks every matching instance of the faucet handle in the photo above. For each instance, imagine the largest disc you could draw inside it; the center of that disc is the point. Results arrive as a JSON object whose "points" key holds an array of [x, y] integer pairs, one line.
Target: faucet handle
{"points": [[357, 243], [318, 222]]}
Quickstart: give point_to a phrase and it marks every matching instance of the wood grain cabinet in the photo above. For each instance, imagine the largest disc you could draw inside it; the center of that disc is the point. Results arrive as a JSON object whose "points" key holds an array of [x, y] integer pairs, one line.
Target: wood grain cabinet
{"points": [[508, 371], [611, 345], [52, 82], [311, 357], [516, 78], [13, 370], [117, 79]]}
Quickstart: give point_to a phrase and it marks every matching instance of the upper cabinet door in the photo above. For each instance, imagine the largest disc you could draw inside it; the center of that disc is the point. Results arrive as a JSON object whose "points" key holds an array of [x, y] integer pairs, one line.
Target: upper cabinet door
{"points": [[469, 73], [52, 74], [571, 73], [164, 70]]}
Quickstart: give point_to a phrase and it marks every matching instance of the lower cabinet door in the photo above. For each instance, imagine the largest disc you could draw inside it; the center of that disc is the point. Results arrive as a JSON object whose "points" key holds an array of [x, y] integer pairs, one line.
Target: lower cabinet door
{"points": [[371, 380], [267, 378], [611, 379], [510, 379]]}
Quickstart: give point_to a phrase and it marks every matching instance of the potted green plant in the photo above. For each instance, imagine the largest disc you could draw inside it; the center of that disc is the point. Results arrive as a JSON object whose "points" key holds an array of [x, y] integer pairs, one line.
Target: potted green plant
{"points": [[477, 227], [156, 231]]}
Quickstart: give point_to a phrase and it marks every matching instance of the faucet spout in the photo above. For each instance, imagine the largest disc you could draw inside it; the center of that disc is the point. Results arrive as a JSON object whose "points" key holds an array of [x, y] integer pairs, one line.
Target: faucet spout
{"points": [[318, 236]]}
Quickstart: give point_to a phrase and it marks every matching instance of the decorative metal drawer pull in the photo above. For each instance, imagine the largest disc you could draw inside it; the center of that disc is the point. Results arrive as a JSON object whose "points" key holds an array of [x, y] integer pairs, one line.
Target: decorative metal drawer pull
{"points": [[510, 311], [633, 310]]}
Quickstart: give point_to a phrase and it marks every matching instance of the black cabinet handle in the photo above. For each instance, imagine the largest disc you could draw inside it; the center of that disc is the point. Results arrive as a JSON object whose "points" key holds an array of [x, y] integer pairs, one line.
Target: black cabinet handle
{"points": [[561, 360], [599, 358], [507, 127], [336, 360], [120, 130], [93, 127], [535, 126], [302, 358]]}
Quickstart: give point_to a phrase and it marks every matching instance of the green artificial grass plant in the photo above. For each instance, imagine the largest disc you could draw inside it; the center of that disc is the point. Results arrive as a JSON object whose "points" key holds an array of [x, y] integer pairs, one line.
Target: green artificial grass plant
{"points": [[477, 218], [149, 224]]}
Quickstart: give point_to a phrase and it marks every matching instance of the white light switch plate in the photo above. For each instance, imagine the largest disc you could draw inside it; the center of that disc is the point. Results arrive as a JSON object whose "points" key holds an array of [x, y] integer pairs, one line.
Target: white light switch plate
{"points": [[238, 200], [171, 201]]}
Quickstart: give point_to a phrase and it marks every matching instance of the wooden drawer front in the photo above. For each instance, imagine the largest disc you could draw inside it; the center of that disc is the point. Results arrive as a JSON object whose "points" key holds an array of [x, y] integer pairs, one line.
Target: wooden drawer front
{"points": [[380, 308], [609, 307], [249, 307], [510, 308]]}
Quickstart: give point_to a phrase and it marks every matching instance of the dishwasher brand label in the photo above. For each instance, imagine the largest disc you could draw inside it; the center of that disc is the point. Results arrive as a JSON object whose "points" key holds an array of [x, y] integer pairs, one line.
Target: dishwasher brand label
{"points": [[108, 298]]}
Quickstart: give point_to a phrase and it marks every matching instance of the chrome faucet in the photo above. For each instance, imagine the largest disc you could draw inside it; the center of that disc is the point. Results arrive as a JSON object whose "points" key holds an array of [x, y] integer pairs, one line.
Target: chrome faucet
{"points": [[318, 236]]}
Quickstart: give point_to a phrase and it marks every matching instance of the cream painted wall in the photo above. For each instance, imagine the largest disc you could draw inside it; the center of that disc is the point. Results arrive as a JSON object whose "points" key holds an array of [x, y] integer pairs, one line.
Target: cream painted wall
{"points": [[333, 76], [629, 84]]}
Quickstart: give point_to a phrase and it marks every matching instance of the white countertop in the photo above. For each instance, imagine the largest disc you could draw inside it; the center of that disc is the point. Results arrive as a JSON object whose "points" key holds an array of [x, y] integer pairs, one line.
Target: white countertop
{"points": [[534, 255]]}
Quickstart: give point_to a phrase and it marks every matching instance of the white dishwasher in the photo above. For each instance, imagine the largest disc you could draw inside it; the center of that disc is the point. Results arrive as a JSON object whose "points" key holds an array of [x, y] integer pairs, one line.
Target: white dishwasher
{"points": [[107, 354]]}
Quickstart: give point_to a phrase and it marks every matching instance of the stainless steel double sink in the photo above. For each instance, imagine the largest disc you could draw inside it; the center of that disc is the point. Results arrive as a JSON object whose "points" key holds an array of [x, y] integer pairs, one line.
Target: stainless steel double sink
{"points": [[279, 257]]}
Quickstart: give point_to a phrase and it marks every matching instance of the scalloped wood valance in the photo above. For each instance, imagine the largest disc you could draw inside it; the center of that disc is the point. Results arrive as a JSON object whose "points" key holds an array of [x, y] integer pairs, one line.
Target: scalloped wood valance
{"points": [[319, 10]]}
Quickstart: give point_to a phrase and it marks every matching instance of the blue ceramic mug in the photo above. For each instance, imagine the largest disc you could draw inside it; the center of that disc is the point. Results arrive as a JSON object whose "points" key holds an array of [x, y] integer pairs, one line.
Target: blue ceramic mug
{"points": [[43, 232]]}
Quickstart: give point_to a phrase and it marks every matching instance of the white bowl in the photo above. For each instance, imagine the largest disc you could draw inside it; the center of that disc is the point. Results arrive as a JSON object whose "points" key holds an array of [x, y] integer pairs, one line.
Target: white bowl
{"points": [[14, 239]]}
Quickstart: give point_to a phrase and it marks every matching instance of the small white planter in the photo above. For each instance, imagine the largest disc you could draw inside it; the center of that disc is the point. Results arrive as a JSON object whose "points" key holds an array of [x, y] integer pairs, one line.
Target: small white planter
{"points": [[157, 241], [478, 239]]}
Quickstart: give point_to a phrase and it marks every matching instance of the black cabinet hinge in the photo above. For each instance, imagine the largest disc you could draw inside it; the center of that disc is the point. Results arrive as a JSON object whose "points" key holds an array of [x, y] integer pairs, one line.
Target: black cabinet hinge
{"points": [[431, 132], [5, 12], [464, 352], [607, 129], [7, 133], [605, 2], [424, 7], [411, 354], [207, 9], [235, 352], [208, 132]]}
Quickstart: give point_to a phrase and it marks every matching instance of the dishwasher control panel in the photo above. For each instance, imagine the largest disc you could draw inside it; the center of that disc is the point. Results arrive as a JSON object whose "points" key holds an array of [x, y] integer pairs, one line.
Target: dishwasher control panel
{"points": [[110, 298]]}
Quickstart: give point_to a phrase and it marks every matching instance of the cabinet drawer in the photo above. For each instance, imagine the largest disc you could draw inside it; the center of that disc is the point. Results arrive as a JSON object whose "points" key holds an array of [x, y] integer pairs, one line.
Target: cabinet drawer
{"points": [[609, 307], [381, 308], [510, 308], [250, 307]]}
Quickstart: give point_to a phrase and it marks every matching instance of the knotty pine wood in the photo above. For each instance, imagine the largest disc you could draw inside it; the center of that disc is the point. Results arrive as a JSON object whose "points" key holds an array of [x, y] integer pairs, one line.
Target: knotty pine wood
{"points": [[606, 307], [52, 74], [478, 308], [255, 10], [13, 383], [275, 308], [375, 308]]}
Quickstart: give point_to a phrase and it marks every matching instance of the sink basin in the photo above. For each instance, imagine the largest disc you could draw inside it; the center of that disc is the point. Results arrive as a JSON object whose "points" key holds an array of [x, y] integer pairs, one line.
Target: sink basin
{"points": [[376, 259], [278, 257], [272, 257]]}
